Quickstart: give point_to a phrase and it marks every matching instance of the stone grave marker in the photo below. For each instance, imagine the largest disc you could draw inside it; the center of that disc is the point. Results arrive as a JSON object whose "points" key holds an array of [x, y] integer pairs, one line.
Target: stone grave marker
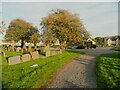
{"points": [[2, 54], [18, 49], [26, 57], [14, 60], [47, 53], [52, 52], [34, 55], [55, 51]]}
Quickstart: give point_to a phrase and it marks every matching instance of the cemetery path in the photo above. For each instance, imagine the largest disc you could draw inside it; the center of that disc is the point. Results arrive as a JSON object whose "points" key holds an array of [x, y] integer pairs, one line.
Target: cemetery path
{"points": [[80, 73]]}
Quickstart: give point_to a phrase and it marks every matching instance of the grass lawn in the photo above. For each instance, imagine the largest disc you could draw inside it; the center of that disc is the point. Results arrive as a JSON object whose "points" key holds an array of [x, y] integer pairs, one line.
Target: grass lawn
{"points": [[117, 48], [24, 76], [108, 71]]}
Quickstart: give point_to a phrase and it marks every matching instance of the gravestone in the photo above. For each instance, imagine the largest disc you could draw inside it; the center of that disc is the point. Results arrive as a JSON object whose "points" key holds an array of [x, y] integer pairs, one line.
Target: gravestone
{"points": [[14, 60], [0, 47], [26, 57], [55, 51], [3, 54], [18, 49], [47, 53], [9, 48], [60, 51], [34, 55], [52, 52]]}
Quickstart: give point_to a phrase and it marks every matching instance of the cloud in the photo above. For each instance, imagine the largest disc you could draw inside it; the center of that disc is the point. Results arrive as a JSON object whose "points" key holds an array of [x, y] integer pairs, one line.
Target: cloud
{"points": [[99, 18]]}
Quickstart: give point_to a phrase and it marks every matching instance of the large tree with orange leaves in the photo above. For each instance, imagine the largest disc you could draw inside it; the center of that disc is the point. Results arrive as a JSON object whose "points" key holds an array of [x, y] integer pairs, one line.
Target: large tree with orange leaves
{"points": [[64, 26]]}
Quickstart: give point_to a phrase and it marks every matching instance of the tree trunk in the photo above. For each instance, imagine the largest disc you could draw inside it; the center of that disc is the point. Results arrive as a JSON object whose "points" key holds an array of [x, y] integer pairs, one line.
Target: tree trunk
{"points": [[35, 46], [62, 45], [23, 46], [13, 46], [22, 43]]}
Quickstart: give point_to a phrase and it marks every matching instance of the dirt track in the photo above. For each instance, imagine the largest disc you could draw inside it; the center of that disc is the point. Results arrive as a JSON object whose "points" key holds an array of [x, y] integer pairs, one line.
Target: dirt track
{"points": [[80, 73]]}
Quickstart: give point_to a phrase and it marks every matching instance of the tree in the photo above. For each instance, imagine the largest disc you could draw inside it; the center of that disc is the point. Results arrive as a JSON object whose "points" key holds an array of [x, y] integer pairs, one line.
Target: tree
{"points": [[2, 27], [47, 38], [20, 30], [100, 40], [64, 26], [35, 38]]}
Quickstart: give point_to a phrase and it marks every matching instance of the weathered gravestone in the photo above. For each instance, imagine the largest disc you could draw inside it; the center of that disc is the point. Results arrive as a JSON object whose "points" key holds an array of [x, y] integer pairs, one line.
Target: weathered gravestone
{"points": [[26, 57], [2, 54], [55, 51], [52, 52], [0, 47], [14, 60], [18, 49], [47, 53], [34, 55], [9, 48]]}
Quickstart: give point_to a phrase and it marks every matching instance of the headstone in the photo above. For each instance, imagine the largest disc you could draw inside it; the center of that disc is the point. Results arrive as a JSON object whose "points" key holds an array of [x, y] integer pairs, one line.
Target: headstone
{"points": [[14, 60], [34, 55], [18, 49], [60, 51], [3, 54], [47, 53], [26, 57], [55, 51], [8, 48], [0, 47], [30, 47], [52, 52]]}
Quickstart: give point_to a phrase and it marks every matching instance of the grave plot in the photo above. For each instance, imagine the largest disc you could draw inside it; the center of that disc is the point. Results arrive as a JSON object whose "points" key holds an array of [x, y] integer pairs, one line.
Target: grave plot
{"points": [[35, 55], [14, 60], [26, 57]]}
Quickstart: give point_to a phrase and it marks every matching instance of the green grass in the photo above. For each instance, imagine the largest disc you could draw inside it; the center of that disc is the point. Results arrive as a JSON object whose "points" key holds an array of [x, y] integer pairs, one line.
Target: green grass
{"points": [[117, 48], [108, 71], [23, 76]]}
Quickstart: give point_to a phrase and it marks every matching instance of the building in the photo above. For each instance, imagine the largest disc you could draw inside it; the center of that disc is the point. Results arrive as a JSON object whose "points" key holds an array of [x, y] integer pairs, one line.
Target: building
{"points": [[112, 41], [89, 43]]}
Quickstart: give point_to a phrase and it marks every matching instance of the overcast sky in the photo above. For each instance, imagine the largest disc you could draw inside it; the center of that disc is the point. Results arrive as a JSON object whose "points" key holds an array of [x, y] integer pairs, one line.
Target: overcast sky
{"points": [[99, 18]]}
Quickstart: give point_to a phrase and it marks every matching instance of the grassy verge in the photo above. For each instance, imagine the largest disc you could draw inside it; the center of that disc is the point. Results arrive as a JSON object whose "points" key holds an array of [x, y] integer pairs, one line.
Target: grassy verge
{"points": [[117, 48], [108, 71], [23, 76]]}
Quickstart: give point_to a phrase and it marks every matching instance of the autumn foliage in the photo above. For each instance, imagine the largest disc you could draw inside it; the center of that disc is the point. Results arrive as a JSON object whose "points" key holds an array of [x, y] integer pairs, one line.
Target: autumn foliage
{"points": [[64, 26]]}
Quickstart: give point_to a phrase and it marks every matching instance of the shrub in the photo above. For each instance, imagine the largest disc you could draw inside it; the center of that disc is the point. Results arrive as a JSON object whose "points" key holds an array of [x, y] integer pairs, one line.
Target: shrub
{"points": [[80, 47], [94, 46], [117, 48], [107, 71]]}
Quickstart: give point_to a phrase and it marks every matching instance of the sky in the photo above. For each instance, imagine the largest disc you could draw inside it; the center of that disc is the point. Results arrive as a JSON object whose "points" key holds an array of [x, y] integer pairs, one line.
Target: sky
{"points": [[99, 18]]}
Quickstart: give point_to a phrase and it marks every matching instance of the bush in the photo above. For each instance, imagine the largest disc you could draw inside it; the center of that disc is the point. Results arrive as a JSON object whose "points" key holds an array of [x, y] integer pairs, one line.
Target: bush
{"points": [[94, 46], [117, 48], [107, 71], [80, 47]]}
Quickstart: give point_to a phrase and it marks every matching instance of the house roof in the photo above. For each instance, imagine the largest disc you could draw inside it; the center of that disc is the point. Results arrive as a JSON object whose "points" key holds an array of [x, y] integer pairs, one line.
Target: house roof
{"points": [[113, 38], [92, 40]]}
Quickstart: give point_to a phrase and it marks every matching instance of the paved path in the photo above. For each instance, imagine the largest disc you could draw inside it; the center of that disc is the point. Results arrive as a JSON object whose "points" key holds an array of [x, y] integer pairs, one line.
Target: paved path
{"points": [[80, 73]]}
